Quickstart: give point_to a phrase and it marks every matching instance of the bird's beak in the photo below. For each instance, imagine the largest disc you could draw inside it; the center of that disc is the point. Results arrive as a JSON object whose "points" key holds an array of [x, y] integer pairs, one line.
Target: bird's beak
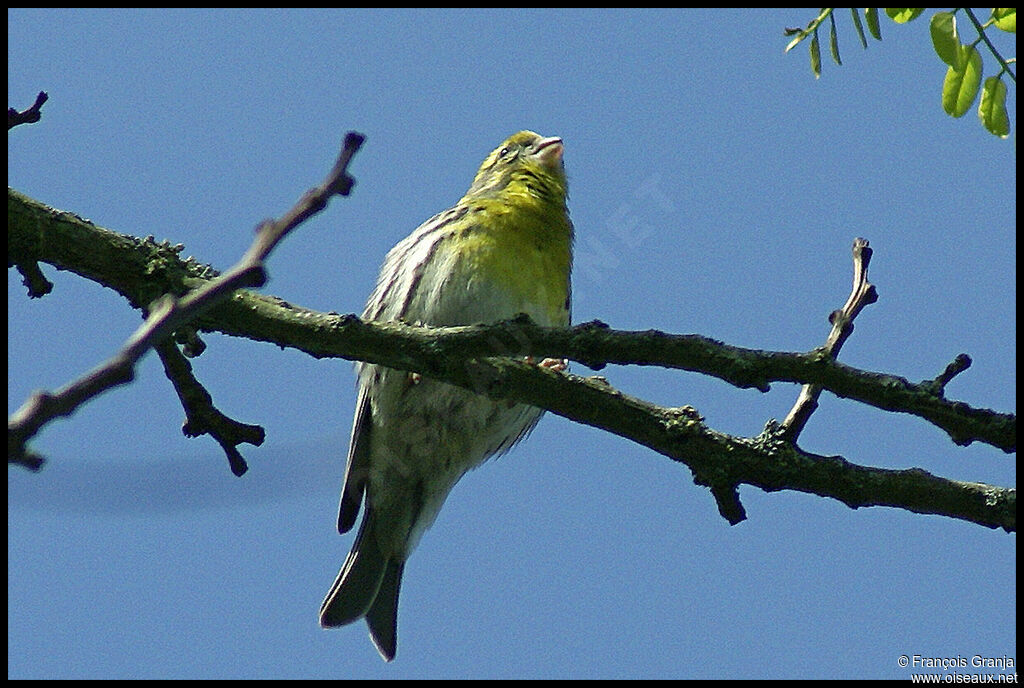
{"points": [[549, 151]]}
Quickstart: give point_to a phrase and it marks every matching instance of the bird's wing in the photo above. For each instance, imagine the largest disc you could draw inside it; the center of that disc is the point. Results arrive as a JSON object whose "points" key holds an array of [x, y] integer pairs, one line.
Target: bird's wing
{"points": [[357, 472]]}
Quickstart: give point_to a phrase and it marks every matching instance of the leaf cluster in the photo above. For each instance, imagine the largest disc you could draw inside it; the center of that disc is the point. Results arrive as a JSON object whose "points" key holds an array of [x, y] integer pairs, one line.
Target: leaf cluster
{"points": [[963, 79]]}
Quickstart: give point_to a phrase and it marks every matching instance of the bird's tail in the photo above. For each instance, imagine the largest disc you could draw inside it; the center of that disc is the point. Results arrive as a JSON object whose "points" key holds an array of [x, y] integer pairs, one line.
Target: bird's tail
{"points": [[367, 586]]}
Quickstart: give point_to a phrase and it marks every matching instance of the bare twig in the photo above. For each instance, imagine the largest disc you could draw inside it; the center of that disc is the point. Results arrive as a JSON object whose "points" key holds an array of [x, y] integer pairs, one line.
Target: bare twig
{"points": [[29, 116], [727, 497], [168, 314], [201, 416], [958, 365], [863, 293], [34, 279]]}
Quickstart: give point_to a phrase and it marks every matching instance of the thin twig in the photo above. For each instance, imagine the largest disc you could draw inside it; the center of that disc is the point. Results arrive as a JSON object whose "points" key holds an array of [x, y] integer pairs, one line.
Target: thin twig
{"points": [[34, 279], [29, 116], [167, 314], [862, 294], [958, 365], [201, 416], [984, 36]]}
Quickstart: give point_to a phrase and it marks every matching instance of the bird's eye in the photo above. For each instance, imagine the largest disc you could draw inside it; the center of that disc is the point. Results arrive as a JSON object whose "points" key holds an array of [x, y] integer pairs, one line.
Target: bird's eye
{"points": [[504, 152]]}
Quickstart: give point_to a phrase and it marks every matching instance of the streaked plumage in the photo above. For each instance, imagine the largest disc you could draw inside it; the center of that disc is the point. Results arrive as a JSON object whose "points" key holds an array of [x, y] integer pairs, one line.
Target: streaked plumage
{"points": [[505, 248]]}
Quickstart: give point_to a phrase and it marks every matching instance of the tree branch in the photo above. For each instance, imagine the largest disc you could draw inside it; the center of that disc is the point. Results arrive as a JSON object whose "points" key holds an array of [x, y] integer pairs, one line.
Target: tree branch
{"points": [[123, 263], [168, 313], [33, 278], [487, 359], [141, 270]]}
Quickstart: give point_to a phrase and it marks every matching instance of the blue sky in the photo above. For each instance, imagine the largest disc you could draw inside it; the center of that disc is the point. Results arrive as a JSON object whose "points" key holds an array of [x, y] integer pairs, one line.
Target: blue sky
{"points": [[716, 188]]}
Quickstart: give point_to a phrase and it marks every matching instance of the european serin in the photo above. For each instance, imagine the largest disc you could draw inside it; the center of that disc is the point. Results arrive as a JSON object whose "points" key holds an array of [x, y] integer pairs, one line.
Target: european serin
{"points": [[505, 248]]}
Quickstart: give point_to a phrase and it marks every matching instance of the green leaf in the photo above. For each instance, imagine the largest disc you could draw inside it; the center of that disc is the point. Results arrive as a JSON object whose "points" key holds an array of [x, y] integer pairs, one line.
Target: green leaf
{"points": [[815, 56], [833, 42], [992, 110], [871, 17], [859, 27], [945, 39], [901, 15], [961, 85], [1006, 18]]}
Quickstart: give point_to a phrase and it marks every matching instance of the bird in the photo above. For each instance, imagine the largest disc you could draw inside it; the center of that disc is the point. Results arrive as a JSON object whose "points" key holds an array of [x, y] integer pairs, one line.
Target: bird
{"points": [[503, 250]]}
